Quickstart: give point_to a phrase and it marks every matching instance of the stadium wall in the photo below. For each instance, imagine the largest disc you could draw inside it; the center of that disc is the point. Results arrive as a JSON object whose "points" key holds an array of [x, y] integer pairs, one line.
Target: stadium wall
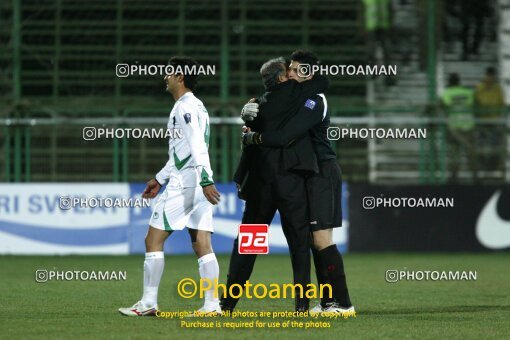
{"points": [[32, 221]]}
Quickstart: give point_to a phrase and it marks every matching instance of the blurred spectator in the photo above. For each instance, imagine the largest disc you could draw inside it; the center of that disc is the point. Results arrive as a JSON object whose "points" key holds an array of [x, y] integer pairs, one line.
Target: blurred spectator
{"points": [[472, 16], [457, 103], [489, 96], [490, 103], [378, 22], [448, 21]]}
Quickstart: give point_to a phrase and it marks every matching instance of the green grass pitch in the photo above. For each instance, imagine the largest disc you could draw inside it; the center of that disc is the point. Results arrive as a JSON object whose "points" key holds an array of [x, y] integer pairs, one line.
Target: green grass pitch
{"points": [[420, 309]]}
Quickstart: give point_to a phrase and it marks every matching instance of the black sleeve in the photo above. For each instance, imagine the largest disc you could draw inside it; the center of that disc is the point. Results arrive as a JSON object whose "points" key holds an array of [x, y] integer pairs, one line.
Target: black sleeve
{"points": [[309, 88], [254, 125], [298, 126]]}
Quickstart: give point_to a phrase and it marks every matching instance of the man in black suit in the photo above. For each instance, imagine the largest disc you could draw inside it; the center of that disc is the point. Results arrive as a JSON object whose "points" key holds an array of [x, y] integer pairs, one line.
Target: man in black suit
{"points": [[271, 179], [324, 189]]}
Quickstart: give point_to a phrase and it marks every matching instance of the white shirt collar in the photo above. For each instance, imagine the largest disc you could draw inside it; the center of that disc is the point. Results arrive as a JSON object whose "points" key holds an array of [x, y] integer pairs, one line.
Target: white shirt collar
{"points": [[187, 94]]}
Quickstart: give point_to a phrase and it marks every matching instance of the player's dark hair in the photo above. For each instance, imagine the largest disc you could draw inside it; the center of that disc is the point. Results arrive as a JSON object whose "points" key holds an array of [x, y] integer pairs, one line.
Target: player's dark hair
{"points": [[271, 70], [304, 57], [190, 80]]}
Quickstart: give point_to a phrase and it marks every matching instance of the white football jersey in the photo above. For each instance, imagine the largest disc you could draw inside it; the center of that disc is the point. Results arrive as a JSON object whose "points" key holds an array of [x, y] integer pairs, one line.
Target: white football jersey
{"points": [[188, 164]]}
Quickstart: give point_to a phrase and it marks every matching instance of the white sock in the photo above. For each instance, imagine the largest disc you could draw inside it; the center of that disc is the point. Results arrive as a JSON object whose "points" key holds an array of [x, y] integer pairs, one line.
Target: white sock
{"points": [[152, 273], [209, 269]]}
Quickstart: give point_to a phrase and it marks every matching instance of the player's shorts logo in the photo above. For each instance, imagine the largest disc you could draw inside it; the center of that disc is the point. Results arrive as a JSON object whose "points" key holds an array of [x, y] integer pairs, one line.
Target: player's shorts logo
{"points": [[253, 239], [156, 215]]}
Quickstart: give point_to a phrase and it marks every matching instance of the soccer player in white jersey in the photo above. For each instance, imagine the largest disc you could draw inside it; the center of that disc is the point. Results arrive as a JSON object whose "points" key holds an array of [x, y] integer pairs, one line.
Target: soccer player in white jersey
{"points": [[188, 197]]}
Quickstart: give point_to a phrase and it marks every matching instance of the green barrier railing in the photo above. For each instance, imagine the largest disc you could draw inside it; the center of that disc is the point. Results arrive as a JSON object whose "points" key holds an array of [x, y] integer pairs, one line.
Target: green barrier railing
{"points": [[224, 144]]}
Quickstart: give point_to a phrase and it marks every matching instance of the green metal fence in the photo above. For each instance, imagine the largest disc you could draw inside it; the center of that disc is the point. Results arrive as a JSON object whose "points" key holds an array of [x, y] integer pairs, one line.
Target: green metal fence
{"points": [[53, 149], [58, 59], [62, 52]]}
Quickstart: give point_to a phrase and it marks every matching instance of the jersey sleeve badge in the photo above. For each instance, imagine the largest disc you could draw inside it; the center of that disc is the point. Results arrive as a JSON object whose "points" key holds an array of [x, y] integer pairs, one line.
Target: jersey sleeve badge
{"points": [[310, 104]]}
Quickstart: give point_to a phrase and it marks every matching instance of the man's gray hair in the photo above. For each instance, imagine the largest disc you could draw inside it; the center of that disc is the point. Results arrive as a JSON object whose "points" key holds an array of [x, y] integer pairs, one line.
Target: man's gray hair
{"points": [[271, 70]]}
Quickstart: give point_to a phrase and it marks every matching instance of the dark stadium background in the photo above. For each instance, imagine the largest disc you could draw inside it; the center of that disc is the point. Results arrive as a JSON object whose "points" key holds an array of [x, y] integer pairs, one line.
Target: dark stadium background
{"points": [[57, 64]]}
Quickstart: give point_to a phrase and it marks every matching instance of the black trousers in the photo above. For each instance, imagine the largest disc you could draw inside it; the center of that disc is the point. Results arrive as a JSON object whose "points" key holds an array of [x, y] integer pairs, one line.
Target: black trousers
{"points": [[287, 194]]}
